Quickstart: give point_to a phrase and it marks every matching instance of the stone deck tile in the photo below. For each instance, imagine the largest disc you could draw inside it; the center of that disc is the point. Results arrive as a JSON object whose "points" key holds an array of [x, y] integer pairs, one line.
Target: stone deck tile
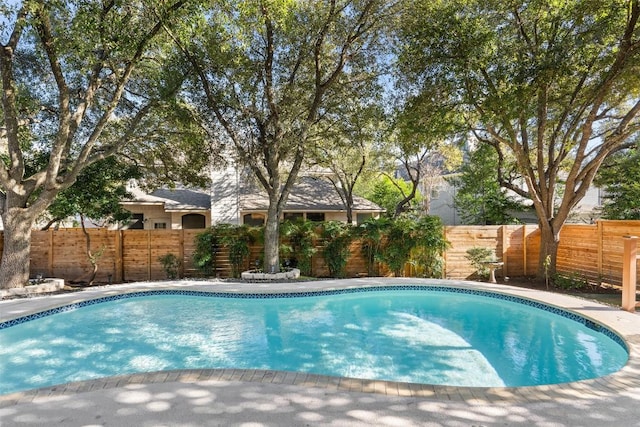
{"points": [[136, 379], [247, 374], [227, 374], [268, 376], [322, 381], [478, 397], [278, 377], [172, 377], [332, 383], [290, 378], [257, 376], [425, 390], [160, 377], [500, 394], [404, 390], [309, 381]]}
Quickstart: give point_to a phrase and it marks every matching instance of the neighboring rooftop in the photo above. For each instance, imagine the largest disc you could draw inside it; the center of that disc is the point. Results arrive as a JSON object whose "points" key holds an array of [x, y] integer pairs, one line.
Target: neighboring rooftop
{"points": [[308, 194], [178, 199]]}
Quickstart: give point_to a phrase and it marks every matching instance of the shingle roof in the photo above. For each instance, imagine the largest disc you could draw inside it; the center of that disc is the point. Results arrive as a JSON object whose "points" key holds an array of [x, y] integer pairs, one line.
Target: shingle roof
{"points": [[179, 199], [308, 194]]}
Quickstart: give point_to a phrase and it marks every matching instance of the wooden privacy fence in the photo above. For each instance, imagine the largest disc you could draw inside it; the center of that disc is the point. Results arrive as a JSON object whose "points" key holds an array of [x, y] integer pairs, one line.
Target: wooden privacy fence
{"points": [[592, 252]]}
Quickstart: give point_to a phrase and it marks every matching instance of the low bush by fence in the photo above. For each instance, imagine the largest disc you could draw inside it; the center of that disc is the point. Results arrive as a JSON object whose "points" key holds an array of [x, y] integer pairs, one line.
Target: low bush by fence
{"points": [[592, 252]]}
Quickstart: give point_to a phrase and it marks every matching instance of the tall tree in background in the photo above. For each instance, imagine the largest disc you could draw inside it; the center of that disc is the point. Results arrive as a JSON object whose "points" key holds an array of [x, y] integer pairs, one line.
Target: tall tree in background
{"points": [[388, 193], [554, 85], [77, 77], [96, 195], [479, 198], [619, 177], [347, 147], [266, 72], [423, 144]]}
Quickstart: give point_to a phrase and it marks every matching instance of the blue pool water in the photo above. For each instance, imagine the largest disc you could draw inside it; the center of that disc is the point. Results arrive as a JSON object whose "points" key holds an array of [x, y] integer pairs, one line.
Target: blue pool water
{"points": [[433, 337]]}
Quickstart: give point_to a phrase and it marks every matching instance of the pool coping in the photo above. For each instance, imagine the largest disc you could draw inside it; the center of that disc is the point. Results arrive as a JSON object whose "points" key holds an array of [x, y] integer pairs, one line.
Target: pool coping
{"points": [[623, 323]]}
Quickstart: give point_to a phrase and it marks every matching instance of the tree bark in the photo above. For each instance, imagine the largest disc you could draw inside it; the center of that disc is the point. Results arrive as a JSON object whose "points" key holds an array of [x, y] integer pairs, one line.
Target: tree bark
{"points": [[15, 265], [272, 238], [549, 242]]}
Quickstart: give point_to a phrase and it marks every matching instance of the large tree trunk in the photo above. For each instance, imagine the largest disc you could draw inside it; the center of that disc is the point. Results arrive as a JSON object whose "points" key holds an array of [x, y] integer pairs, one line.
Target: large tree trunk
{"points": [[549, 241], [272, 238], [16, 254]]}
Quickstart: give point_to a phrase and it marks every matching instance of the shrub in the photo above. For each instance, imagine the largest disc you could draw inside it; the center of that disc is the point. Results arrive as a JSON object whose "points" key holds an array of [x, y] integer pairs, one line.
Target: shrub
{"points": [[337, 237], [399, 241], [479, 257], [371, 233], [171, 265], [204, 256], [420, 243], [298, 245], [571, 281], [235, 238], [430, 244]]}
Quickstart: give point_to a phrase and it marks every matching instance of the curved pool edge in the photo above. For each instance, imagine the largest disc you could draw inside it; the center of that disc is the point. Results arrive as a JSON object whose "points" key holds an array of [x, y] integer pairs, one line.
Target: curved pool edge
{"points": [[623, 323]]}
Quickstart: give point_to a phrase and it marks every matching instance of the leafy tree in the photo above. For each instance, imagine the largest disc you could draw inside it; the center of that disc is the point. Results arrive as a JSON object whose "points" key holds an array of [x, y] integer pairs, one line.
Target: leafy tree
{"points": [[619, 176], [553, 85], [96, 194], [479, 197], [423, 146], [266, 72], [78, 79], [388, 193], [347, 147]]}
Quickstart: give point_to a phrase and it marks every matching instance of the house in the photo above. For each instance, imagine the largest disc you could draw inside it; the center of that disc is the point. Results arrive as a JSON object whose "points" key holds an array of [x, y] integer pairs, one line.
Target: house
{"points": [[180, 208], [442, 204], [311, 198], [236, 200]]}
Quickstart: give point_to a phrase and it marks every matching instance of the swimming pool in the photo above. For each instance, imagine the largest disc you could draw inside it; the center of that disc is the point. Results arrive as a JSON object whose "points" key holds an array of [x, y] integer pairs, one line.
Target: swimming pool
{"points": [[421, 334]]}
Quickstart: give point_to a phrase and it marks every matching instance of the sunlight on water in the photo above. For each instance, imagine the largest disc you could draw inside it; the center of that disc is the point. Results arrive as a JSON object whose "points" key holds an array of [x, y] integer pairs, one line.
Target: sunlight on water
{"points": [[414, 336]]}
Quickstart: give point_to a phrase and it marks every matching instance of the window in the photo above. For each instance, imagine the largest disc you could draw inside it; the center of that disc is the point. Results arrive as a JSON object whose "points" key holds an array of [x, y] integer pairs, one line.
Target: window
{"points": [[362, 217], [137, 222], [315, 216], [191, 221], [160, 225], [254, 220], [292, 216]]}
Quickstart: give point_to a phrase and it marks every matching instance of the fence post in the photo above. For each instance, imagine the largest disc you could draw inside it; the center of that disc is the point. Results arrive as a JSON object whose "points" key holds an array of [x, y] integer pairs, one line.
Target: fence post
{"points": [[50, 255], [524, 248], [118, 258], [505, 262], [629, 258], [600, 231], [148, 254], [444, 255]]}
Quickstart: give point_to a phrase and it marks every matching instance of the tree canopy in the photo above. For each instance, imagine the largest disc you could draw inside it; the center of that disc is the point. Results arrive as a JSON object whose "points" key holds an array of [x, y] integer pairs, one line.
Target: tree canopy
{"points": [[78, 79], [619, 177], [552, 85], [479, 198], [265, 73]]}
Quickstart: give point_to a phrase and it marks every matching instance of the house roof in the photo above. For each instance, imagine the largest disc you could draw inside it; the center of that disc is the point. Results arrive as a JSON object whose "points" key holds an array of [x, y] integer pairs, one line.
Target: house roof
{"points": [[179, 199], [308, 194]]}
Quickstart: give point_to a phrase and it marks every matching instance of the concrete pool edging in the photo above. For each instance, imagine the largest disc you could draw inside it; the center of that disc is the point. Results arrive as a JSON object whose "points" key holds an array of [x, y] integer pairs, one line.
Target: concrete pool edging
{"points": [[623, 323]]}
